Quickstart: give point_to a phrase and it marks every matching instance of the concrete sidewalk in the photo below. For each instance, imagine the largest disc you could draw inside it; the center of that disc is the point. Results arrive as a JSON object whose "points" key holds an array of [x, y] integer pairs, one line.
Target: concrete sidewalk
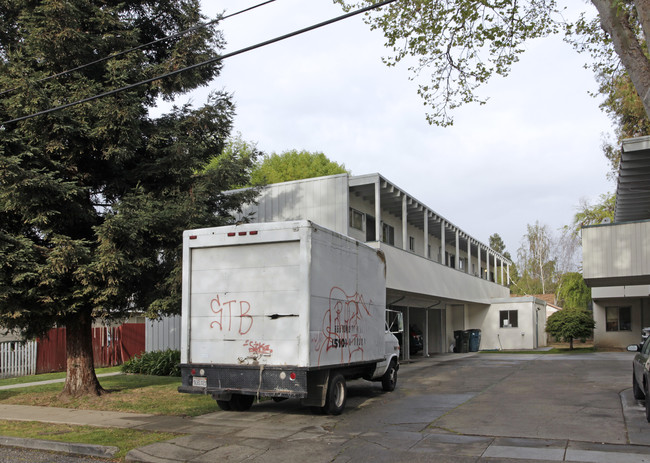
{"points": [[276, 436]]}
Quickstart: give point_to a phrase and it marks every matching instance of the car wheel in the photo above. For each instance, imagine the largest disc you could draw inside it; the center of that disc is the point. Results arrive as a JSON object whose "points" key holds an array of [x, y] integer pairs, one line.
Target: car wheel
{"points": [[389, 380], [241, 403], [337, 395], [636, 390]]}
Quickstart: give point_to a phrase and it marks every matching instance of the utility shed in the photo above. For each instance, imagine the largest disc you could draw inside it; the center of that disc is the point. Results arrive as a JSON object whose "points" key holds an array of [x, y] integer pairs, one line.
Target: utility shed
{"points": [[512, 323]]}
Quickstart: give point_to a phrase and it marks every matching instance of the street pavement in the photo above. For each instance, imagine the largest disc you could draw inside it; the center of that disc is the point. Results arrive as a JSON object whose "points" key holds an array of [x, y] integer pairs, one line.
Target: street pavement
{"points": [[446, 408]]}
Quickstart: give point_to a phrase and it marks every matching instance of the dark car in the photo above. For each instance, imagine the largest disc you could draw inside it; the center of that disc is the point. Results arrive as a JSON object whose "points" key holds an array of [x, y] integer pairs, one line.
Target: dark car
{"points": [[415, 344], [640, 374], [645, 333]]}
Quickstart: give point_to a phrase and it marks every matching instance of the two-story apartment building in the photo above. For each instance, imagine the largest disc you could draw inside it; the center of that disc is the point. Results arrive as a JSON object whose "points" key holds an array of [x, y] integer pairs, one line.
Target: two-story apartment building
{"points": [[616, 256], [438, 275]]}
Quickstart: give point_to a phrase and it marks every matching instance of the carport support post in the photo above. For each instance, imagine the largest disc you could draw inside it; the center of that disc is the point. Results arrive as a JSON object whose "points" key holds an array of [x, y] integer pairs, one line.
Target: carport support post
{"points": [[425, 332], [406, 336]]}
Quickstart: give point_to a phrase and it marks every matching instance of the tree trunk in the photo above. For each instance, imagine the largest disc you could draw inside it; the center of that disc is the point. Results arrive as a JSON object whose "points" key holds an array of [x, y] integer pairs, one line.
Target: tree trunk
{"points": [[570, 343], [616, 23], [80, 371]]}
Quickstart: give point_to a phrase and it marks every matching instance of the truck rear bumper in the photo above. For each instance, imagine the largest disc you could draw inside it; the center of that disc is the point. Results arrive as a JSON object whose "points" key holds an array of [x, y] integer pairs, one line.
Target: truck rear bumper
{"points": [[262, 381]]}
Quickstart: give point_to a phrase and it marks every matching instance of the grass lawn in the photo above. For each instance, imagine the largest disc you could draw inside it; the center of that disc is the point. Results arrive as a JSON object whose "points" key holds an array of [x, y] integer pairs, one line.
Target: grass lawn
{"points": [[124, 439], [125, 393]]}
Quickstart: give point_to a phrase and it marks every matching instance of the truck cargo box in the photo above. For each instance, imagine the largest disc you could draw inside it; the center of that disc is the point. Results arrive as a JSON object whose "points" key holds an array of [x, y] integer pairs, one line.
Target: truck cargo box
{"points": [[285, 296]]}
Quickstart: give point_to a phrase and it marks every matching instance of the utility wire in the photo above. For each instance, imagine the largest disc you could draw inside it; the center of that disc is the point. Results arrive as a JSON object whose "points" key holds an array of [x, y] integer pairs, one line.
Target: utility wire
{"points": [[139, 47], [206, 62]]}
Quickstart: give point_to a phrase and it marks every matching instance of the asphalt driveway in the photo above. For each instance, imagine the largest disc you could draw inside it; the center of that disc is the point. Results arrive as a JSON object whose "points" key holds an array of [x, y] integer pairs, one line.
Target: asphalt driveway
{"points": [[452, 407]]}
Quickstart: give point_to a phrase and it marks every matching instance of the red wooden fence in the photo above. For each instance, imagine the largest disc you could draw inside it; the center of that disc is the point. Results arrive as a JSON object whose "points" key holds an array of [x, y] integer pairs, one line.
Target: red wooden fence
{"points": [[111, 346]]}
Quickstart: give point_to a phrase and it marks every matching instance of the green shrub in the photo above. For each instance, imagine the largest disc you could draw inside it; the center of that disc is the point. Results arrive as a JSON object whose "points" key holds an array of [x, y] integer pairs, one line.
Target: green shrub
{"points": [[158, 363]]}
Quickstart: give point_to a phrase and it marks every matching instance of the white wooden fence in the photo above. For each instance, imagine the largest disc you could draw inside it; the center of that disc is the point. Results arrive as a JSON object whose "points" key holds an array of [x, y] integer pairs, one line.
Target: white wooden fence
{"points": [[163, 334], [17, 358]]}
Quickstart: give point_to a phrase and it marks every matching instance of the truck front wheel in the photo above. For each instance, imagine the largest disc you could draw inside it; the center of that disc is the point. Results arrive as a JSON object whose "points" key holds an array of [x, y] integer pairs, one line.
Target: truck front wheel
{"points": [[337, 395], [389, 380]]}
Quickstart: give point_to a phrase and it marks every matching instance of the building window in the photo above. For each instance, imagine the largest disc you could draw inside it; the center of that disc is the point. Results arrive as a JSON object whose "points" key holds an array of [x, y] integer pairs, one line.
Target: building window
{"points": [[618, 319], [388, 234], [357, 219], [411, 244], [429, 251], [508, 319]]}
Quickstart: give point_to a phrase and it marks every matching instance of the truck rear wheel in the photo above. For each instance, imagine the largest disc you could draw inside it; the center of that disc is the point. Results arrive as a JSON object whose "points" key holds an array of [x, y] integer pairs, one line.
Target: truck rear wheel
{"points": [[337, 395], [389, 380], [224, 405], [240, 402]]}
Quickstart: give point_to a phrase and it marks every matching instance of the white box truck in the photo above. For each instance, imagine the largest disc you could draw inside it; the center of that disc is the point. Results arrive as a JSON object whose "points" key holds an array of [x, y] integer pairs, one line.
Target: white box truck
{"points": [[283, 310]]}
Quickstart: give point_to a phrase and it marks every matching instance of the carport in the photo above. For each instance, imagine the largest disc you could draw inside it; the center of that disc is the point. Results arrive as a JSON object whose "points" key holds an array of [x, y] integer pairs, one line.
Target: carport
{"points": [[428, 315]]}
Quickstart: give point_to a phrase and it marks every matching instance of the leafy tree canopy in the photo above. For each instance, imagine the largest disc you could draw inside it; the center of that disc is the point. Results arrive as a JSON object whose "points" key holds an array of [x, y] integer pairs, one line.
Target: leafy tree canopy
{"points": [[246, 153], [94, 198], [294, 165], [570, 324], [573, 292], [456, 46], [593, 214], [496, 243]]}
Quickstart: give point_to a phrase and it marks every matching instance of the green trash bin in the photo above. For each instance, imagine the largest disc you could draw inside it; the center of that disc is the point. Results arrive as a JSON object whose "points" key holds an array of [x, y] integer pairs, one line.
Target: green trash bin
{"points": [[461, 338]]}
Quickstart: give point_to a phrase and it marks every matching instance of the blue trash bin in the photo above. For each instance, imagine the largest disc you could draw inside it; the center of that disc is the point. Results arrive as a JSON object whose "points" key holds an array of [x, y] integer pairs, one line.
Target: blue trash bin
{"points": [[474, 340]]}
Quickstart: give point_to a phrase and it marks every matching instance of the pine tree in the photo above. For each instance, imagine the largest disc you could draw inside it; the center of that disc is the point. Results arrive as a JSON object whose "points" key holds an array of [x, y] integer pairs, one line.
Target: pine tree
{"points": [[93, 198]]}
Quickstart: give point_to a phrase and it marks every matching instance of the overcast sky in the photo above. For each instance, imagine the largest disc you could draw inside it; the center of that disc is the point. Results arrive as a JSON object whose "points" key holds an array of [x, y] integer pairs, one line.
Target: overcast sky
{"points": [[531, 153]]}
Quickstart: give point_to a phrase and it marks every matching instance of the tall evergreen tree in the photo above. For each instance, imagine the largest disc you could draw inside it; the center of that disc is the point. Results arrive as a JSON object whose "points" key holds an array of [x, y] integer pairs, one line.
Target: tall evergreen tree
{"points": [[93, 198]]}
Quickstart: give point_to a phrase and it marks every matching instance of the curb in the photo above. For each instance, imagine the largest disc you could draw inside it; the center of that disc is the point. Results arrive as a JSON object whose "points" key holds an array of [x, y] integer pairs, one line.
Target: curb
{"points": [[88, 450]]}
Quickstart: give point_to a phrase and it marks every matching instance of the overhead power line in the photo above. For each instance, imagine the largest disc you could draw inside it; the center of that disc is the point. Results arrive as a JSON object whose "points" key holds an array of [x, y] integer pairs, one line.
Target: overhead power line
{"points": [[144, 45], [206, 62]]}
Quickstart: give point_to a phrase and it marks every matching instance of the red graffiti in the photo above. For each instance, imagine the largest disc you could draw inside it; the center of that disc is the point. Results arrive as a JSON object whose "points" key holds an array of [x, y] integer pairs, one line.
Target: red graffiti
{"points": [[340, 329], [231, 311], [255, 347]]}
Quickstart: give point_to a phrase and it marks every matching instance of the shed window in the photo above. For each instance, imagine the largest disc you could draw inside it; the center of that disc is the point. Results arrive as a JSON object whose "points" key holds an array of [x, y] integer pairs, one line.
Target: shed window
{"points": [[508, 319], [618, 319]]}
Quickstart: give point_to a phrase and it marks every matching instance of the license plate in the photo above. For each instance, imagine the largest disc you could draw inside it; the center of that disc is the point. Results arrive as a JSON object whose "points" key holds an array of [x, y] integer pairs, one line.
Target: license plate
{"points": [[199, 382]]}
